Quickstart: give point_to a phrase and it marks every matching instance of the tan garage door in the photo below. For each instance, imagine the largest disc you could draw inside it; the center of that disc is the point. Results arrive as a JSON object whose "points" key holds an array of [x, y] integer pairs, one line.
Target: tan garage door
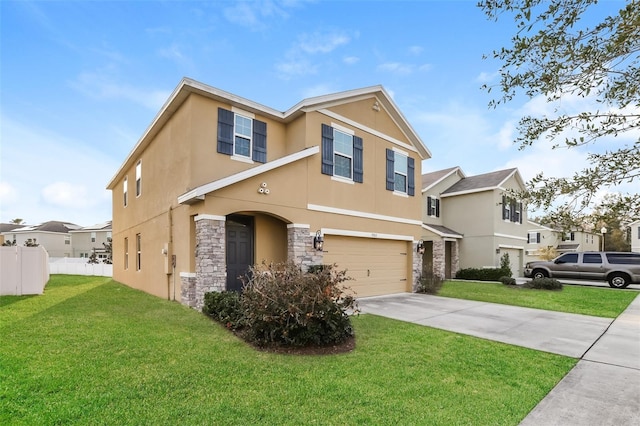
{"points": [[515, 259], [376, 266]]}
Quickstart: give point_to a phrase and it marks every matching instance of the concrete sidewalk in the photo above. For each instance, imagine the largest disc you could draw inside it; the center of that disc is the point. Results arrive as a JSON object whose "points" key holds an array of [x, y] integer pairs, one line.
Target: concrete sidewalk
{"points": [[603, 388]]}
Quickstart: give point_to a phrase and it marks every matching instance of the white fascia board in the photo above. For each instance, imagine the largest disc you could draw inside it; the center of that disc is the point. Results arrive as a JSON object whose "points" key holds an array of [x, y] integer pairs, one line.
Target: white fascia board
{"points": [[455, 170], [469, 191], [507, 246], [368, 130], [366, 215], [362, 234], [510, 236], [202, 190]]}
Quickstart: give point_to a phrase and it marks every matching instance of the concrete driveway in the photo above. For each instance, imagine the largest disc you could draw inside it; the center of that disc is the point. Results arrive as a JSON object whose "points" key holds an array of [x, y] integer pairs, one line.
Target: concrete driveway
{"points": [[603, 388]]}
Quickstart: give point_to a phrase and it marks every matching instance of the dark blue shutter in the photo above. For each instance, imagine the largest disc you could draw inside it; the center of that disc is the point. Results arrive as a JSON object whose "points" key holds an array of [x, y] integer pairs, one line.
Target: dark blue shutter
{"points": [[520, 210], [225, 131], [390, 170], [411, 181], [357, 160], [503, 207], [259, 141], [327, 150], [512, 208], [437, 207], [429, 205], [537, 237]]}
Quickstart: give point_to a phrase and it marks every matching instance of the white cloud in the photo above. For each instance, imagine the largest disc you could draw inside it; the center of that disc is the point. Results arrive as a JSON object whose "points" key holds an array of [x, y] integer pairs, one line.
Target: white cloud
{"points": [[255, 14], [485, 77], [46, 176], [321, 42], [416, 50], [97, 85], [297, 60], [351, 60], [400, 68]]}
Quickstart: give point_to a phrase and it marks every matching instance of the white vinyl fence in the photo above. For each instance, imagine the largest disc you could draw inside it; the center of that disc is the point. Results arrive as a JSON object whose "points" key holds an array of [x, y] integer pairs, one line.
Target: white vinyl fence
{"points": [[23, 270], [79, 266]]}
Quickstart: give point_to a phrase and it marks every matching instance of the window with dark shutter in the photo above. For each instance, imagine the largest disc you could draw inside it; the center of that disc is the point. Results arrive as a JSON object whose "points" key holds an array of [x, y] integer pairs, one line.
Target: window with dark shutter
{"points": [[437, 207], [390, 170], [225, 131], [358, 166], [259, 141], [411, 185], [327, 150]]}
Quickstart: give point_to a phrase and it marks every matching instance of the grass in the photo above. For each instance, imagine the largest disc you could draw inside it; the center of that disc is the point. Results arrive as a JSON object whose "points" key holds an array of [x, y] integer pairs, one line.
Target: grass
{"points": [[594, 301], [92, 351]]}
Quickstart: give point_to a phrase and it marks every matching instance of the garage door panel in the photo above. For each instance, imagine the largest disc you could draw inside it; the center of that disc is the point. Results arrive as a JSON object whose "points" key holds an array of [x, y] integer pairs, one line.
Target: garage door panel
{"points": [[375, 266]]}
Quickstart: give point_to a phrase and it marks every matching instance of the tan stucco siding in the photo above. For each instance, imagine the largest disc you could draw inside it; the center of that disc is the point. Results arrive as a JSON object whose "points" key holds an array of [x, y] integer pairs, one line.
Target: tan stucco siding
{"points": [[363, 112], [473, 214]]}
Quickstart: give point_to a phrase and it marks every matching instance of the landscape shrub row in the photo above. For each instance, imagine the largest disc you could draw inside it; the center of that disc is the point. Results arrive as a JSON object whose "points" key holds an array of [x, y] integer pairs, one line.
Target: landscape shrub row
{"points": [[282, 305]]}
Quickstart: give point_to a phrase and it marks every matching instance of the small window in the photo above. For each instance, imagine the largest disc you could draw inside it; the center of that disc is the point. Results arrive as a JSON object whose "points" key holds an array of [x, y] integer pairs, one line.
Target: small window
{"points": [[433, 206], [534, 237], [400, 172], [126, 253], [139, 178], [93, 237], [138, 252], [242, 133], [342, 154], [569, 236], [592, 258], [124, 191], [67, 240]]}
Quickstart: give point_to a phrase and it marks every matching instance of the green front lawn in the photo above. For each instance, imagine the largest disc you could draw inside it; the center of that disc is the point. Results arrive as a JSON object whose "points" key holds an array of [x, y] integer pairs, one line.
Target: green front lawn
{"points": [[595, 301], [92, 351]]}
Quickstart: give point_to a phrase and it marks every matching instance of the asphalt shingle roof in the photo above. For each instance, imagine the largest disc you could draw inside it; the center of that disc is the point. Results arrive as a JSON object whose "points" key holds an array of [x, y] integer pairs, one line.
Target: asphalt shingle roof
{"points": [[480, 182]]}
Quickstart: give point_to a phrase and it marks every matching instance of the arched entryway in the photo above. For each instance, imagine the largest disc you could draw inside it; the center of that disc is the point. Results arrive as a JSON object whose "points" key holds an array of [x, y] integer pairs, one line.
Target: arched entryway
{"points": [[240, 242]]}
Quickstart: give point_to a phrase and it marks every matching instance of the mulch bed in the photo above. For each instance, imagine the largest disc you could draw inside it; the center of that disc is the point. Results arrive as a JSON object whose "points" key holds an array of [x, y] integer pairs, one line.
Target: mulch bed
{"points": [[347, 346]]}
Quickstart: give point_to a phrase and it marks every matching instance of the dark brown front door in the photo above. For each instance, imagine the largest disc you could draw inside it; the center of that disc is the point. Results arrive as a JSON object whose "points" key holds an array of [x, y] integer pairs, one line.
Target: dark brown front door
{"points": [[239, 249]]}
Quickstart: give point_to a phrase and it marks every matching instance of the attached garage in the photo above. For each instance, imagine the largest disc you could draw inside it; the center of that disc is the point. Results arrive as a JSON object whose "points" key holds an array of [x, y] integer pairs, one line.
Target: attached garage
{"points": [[515, 260], [377, 266]]}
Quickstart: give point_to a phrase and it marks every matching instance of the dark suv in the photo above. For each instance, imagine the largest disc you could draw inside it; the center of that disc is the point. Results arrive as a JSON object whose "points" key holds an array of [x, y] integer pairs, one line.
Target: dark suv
{"points": [[618, 268]]}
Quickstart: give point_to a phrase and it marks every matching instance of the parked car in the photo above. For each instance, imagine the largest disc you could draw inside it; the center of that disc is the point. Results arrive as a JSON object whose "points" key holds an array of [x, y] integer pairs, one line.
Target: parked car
{"points": [[618, 268]]}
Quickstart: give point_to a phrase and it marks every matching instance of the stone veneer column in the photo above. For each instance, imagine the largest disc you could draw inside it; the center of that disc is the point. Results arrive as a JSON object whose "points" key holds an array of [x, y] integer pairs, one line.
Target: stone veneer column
{"points": [[417, 266], [211, 270], [455, 258], [300, 246], [439, 259], [188, 289]]}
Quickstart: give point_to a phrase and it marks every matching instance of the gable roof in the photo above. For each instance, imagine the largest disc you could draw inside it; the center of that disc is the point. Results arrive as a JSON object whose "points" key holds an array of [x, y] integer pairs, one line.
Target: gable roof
{"points": [[106, 226], [51, 226], [483, 182], [442, 231], [429, 180], [188, 86]]}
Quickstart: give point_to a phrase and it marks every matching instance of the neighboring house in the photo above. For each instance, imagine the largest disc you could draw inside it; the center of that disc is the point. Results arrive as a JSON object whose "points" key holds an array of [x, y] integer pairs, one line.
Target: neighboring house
{"points": [[634, 228], [218, 183], [540, 237], [91, 239], [472, 220], [54, 236], [5, 228]]}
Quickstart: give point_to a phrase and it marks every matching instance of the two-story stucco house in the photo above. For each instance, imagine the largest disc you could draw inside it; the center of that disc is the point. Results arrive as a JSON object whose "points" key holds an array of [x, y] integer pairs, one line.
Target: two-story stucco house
{"points": [[54, 236], [634, 229], [542, 238], [472, 221], [91, 239], [218, 183]]}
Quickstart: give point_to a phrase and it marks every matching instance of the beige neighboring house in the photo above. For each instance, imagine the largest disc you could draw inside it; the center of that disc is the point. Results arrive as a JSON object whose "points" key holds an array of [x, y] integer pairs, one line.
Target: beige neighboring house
{"points": [[634, 228], [218, 183], [472, 221], [54, 236], [540, 237], [5, 228], [90, 239]]}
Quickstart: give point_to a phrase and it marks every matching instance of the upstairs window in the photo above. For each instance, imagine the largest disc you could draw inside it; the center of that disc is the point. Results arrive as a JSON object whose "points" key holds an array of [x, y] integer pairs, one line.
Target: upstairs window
{"points": [[534, 237], [93, 237], [342, 154], [400, 172], [511, 209], [242, 136], [139, 178], [433, 206], [124, 191], [138, 252], [569, 236], [67, 240]]}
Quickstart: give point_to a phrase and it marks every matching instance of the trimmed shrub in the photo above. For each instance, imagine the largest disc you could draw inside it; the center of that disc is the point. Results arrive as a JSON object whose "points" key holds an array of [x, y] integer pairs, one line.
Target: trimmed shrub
{"points": [[544, 284], [508, 280], [505, 265], [224, 307], [283, 305], [481, 274], [429, 284]]}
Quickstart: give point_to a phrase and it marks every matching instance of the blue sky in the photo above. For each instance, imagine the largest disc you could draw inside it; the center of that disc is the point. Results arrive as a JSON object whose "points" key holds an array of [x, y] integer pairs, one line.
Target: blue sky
{"points": [[81, 81]]}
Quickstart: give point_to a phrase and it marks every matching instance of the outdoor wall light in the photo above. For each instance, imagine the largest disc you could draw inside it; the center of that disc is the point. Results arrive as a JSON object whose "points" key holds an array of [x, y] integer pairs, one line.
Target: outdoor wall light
{"points": [[318, 241], [420, 247]]}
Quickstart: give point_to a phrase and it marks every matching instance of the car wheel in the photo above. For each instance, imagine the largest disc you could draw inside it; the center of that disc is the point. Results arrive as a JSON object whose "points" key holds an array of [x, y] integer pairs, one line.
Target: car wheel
{"points": [[539, 273], [618, 281]]}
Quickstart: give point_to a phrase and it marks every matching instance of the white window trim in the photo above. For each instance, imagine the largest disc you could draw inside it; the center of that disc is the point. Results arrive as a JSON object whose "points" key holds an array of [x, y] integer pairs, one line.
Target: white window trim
{"points": [[336, 152], [249, 117], [125, 191], [139, 178], [342, 179], [433, 206], [406, 175]]}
